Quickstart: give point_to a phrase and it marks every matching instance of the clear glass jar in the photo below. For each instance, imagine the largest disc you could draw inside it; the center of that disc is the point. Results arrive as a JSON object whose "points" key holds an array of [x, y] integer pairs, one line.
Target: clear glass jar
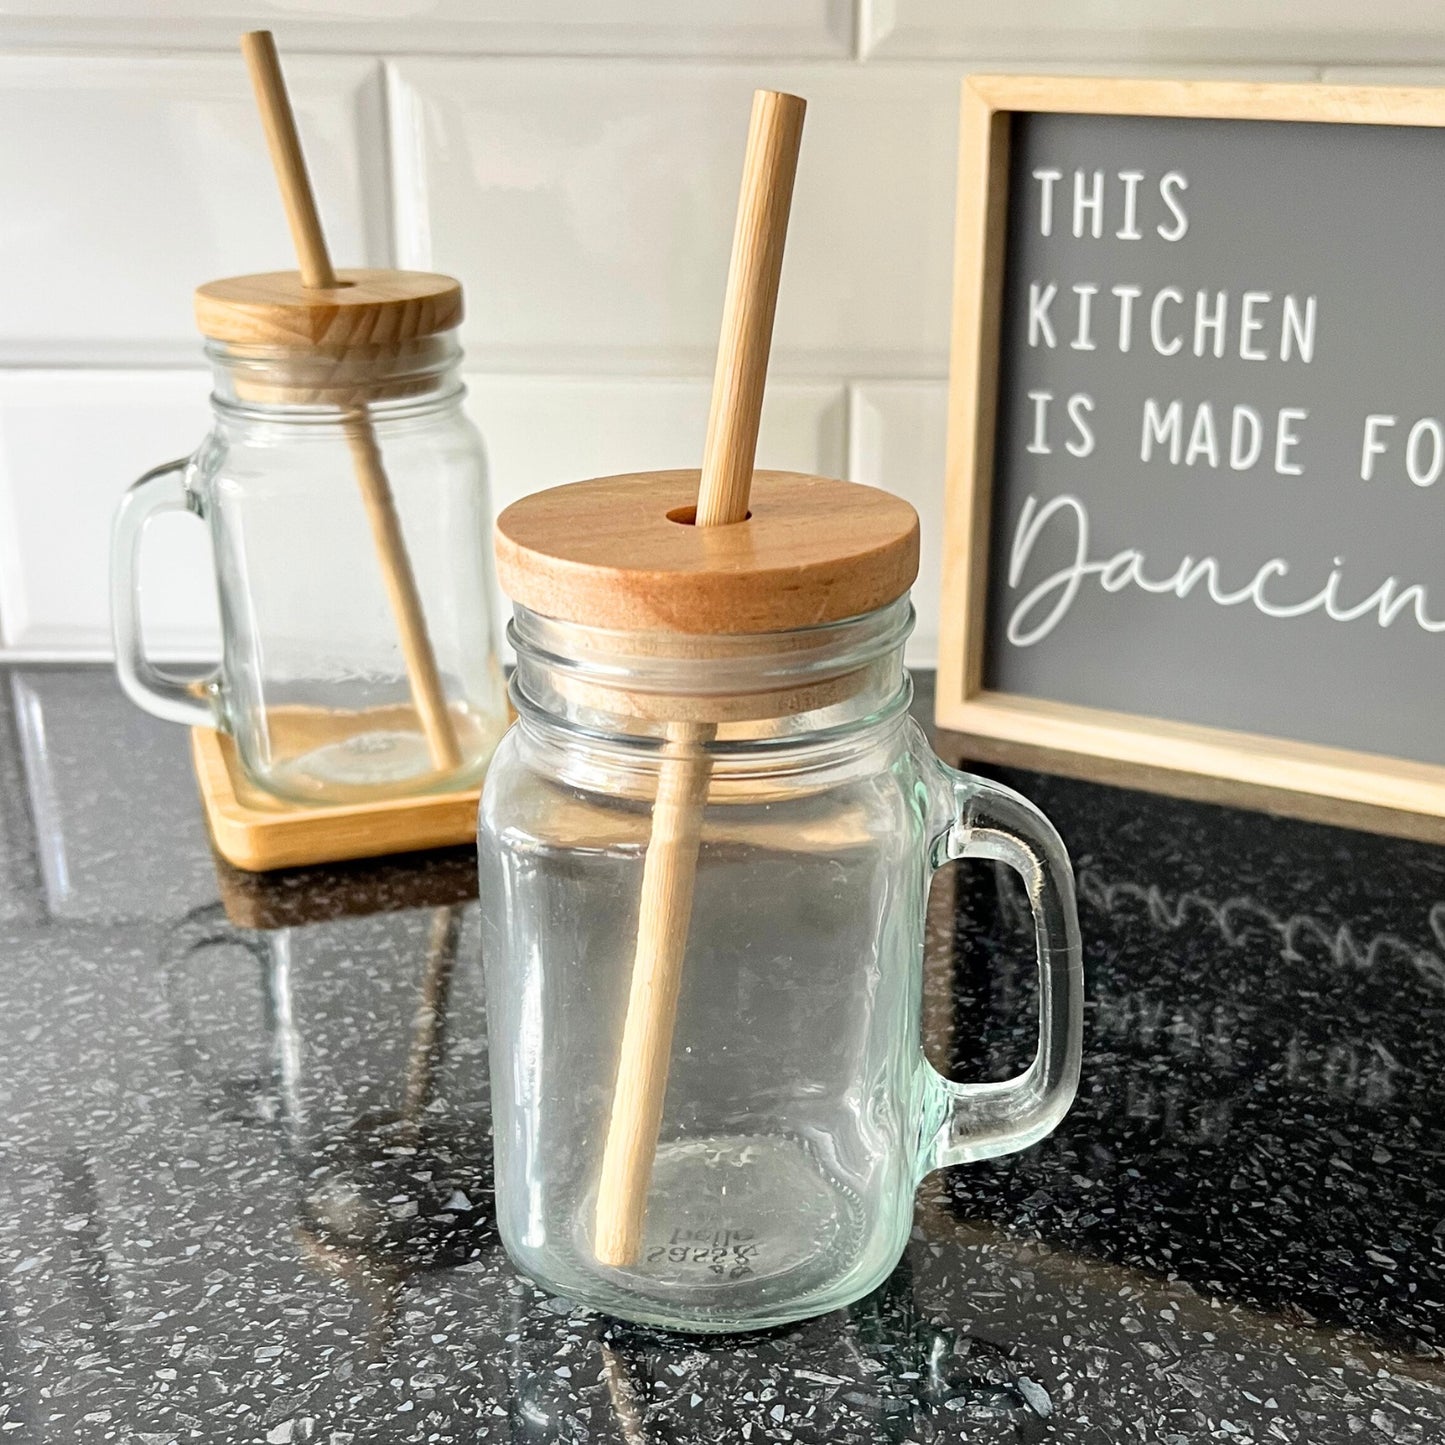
{"points": [[346, 500], [800, 1112]]}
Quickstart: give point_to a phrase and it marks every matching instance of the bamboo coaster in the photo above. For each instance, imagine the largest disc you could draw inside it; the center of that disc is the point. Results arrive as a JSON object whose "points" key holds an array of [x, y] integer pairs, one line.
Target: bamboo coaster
{"points": [[253, 831]]}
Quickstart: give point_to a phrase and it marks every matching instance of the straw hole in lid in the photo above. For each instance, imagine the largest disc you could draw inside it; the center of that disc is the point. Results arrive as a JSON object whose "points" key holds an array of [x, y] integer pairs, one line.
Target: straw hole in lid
{"points": [[687, 516]]}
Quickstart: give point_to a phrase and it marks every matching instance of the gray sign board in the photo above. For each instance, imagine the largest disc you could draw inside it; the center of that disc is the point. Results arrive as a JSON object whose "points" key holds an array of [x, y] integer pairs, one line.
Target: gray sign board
{"points": [[1219, 475]]}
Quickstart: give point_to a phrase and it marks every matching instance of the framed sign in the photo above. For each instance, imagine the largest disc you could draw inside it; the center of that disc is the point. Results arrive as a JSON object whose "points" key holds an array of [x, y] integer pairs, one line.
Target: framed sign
{"points": [[1195, 523]]}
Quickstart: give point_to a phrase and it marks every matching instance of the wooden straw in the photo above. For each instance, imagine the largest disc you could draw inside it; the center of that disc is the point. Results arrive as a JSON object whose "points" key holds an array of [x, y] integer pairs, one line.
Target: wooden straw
{"points": [[279, 120], [774, 136], [427, 693], [670, 868], [428, 696]]}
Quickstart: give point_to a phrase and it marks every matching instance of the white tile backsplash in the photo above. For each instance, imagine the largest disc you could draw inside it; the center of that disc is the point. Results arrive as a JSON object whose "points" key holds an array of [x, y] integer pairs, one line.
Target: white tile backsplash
{"points": [[577, 165], [126, 181], [70, 444], [541, 432], [448, 27], [90, 434], [1156, 32], [897, 437], [589, 208]]}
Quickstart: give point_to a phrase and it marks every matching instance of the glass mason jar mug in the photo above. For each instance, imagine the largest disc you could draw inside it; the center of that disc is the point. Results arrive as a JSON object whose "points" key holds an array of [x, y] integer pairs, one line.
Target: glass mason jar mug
{"points": [[345, 494], [799, 1111]]}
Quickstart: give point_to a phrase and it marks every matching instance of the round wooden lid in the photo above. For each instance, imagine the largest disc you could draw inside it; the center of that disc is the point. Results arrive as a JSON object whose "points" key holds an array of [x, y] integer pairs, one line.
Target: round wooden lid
{"points": [[368, 308], [621, 552]]}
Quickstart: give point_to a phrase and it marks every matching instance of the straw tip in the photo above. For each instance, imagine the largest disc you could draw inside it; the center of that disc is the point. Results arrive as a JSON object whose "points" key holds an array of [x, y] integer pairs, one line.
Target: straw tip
{"points": [[259, 48]]}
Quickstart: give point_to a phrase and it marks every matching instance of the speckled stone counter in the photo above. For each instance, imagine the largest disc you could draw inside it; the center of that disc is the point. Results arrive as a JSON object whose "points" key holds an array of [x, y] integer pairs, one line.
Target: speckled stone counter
{"points": [[244, 1159]]}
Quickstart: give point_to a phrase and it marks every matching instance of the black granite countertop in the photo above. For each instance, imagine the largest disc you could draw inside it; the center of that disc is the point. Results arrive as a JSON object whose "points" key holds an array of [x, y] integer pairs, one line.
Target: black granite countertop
{"points": [[244, 1159]]}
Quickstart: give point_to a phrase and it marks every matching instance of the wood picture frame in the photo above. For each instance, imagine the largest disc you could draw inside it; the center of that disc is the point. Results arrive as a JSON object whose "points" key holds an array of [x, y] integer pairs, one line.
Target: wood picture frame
{"points": [[1328, 784]]}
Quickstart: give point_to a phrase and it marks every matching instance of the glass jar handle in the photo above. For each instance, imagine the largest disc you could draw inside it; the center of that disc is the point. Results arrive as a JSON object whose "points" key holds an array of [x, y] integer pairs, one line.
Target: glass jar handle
{"points": [[175, 699], [980, 1121]]}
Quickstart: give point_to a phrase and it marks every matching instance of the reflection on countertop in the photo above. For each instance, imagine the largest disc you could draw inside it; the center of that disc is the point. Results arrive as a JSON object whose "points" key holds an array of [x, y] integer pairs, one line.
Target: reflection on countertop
{"points": [[245, 1188]]}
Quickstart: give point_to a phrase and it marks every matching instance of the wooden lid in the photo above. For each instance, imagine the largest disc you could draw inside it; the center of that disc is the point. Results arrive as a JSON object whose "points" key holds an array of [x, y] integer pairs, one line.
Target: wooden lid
{"points": [[620, 552], [368, 308]]}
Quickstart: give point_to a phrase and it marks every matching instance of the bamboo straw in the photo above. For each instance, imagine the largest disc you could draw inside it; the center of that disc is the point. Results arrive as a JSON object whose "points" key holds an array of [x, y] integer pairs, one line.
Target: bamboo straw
{"points": [[428, 696], [429, 1023], [670, 868]]}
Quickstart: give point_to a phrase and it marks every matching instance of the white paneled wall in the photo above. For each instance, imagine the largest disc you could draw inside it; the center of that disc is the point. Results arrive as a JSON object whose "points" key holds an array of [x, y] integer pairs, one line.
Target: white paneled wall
{"points": [[588, 209], [126, 179], [575, 162], [69, 443]]}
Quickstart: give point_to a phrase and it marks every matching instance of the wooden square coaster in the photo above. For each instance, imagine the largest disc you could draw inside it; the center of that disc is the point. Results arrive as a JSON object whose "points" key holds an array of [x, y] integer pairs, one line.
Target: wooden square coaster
{"points": [[257, 832]]}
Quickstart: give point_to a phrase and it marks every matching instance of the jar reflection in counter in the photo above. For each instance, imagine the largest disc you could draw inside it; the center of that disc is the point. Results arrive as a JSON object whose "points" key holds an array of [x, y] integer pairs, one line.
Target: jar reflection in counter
{"points": [[390, 1162], [883, 1362]]}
